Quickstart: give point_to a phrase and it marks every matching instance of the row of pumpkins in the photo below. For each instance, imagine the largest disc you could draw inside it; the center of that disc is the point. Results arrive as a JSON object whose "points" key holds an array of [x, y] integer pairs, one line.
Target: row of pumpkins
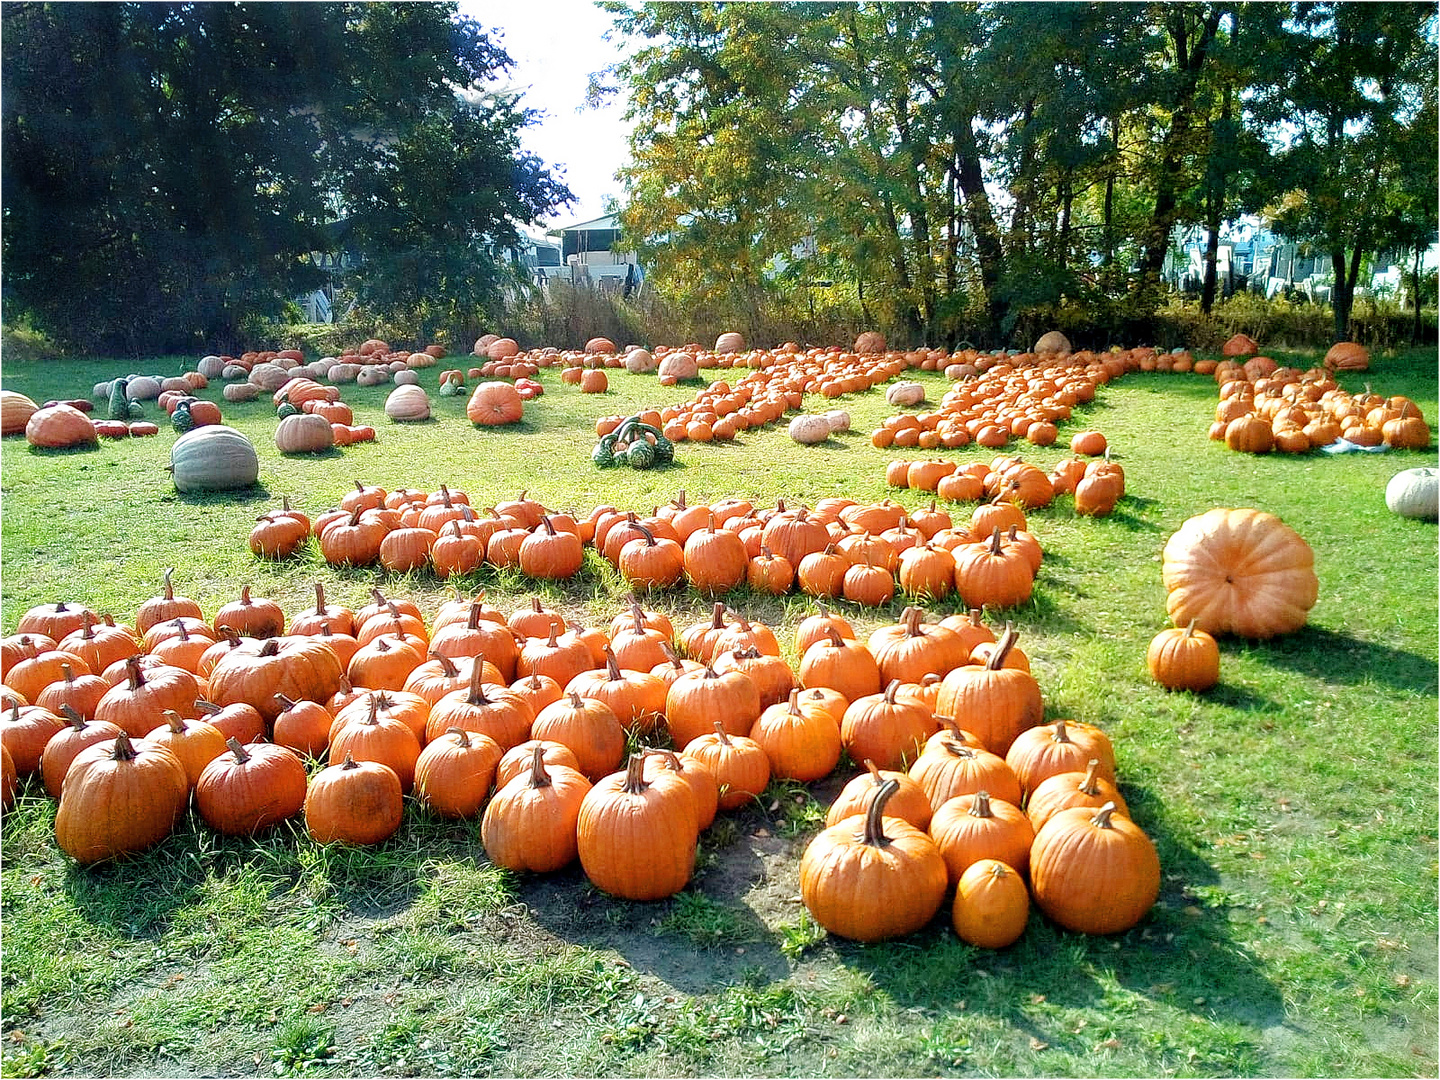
{"points": [[128, 723], [1265, 407], [842, 548], [1097, 484]]}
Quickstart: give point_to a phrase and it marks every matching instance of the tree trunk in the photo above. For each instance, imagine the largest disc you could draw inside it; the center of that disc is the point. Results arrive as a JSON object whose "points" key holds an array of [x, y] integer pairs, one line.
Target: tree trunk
{"points": [[1342, 298], [1108, 232], [1167, 188], [1415, 281], [980, 217], [1212, 252], [1067, 197]]}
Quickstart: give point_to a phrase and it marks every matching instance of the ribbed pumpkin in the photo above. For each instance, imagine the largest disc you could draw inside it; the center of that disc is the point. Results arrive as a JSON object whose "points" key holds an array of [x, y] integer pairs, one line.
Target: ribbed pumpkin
{"points": [[531, 823], [842, 664], [119, 798], [993, 701], [355, 802], [739, 763], [1094, 871], [589, 728], [491, 710], [802, 743], [385, 739], [885, 729], [60, 427], [991, 905], [972, 827], [882, 880], [909, 802], [1242, 572], [193, 742], [637, 834], [637, 698], [249, 787], [1065, 790], [61, 748], [1064, 746], [696, 774], [454, 772], [299, 668], [213, 458], [1184, 659], [139, 703]]}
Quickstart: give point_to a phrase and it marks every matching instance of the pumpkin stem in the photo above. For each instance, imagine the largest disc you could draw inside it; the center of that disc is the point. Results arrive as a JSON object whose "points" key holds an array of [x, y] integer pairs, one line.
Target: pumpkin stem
{"points": [[1088, 785], [635, 781], [539, 778], [270, 648], [1101, 820], [891, 690], [122, 750], [1003, 646], [68, 712], [473, 622], [132, 669], [995, 548], [169, 588], [795, 702], [349, 762], [177, 725], [980, 806], [722, 733], [874, 833], [477, 683], [285, 702], [209, 708], [1059, 733], [612, 666], [1190, 629], [874, 771], [241, 754], [462, 736]]}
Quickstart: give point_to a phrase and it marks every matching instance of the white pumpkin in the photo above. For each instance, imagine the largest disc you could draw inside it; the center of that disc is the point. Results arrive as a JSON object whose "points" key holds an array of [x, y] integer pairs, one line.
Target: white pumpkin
{"points": [[269, 376], [406, 378], [808, 429], [640, 362], [210, 366], [838, 419], [343, 373], [143, 388], [1053, 342], [1414, 493], [905, 393], [213, 458], [681, 365], [235, 371], [241, 391], [407, 404]]}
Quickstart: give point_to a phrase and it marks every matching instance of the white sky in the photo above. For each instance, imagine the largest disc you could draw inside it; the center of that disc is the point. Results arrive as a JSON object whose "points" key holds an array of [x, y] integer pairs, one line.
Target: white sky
{"points": [[556, 44]]}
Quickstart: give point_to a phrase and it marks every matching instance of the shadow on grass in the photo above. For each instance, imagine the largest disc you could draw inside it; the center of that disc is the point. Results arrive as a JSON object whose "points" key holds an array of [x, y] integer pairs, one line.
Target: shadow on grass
{"points": [[1324, 654], [1180, 954], [252, 495]]}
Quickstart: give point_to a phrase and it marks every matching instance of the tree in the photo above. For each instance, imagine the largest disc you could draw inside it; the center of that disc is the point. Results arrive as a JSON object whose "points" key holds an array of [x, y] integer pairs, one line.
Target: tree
{"points": [[168, 168], [1348, 119]]}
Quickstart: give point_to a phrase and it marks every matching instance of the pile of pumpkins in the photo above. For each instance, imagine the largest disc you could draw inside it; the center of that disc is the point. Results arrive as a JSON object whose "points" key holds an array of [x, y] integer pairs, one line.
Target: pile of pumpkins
{"points": [[861, 552], [126, 725], [1264, 407], [1097, 484], [372, 364]]}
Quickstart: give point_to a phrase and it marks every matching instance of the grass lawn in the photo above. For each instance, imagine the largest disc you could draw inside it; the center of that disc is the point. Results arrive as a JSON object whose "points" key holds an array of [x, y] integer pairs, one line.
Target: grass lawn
{"points": [[1293, 806]]}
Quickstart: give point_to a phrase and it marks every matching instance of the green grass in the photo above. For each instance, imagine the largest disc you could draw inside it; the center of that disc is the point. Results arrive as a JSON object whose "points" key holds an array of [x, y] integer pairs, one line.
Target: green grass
{"points": [[1293, 806]]}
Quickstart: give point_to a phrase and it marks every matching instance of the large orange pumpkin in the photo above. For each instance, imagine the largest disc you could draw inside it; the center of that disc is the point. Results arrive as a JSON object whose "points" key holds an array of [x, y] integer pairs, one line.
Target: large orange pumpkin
{"points": [[1242, 572]]}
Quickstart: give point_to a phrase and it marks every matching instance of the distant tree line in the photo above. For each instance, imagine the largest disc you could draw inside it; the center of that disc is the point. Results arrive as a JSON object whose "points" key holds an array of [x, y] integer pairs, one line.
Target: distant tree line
{"points": [[168, 169], [959, 164]]}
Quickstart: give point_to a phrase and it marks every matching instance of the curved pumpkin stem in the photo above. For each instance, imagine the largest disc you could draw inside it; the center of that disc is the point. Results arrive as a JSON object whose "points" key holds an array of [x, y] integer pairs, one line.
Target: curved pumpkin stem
{"points": [[175, 721], [1088, 785], [722, 733], [874, 834], [241, 754], [1101, 820], [169, 588], [1004, 645]]}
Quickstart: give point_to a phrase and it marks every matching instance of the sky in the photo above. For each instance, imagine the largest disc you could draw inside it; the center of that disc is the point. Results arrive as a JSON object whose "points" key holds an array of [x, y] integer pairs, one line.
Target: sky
{"points": [[556, 44]]}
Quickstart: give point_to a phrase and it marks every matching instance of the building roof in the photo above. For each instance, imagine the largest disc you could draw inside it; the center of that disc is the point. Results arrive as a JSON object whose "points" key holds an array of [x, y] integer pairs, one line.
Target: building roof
{"points": [[609, 221]]}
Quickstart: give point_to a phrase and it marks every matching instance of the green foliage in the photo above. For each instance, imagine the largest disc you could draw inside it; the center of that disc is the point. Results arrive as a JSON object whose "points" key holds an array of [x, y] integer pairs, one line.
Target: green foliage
{"points": [[221, 143], [960, 169]]}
